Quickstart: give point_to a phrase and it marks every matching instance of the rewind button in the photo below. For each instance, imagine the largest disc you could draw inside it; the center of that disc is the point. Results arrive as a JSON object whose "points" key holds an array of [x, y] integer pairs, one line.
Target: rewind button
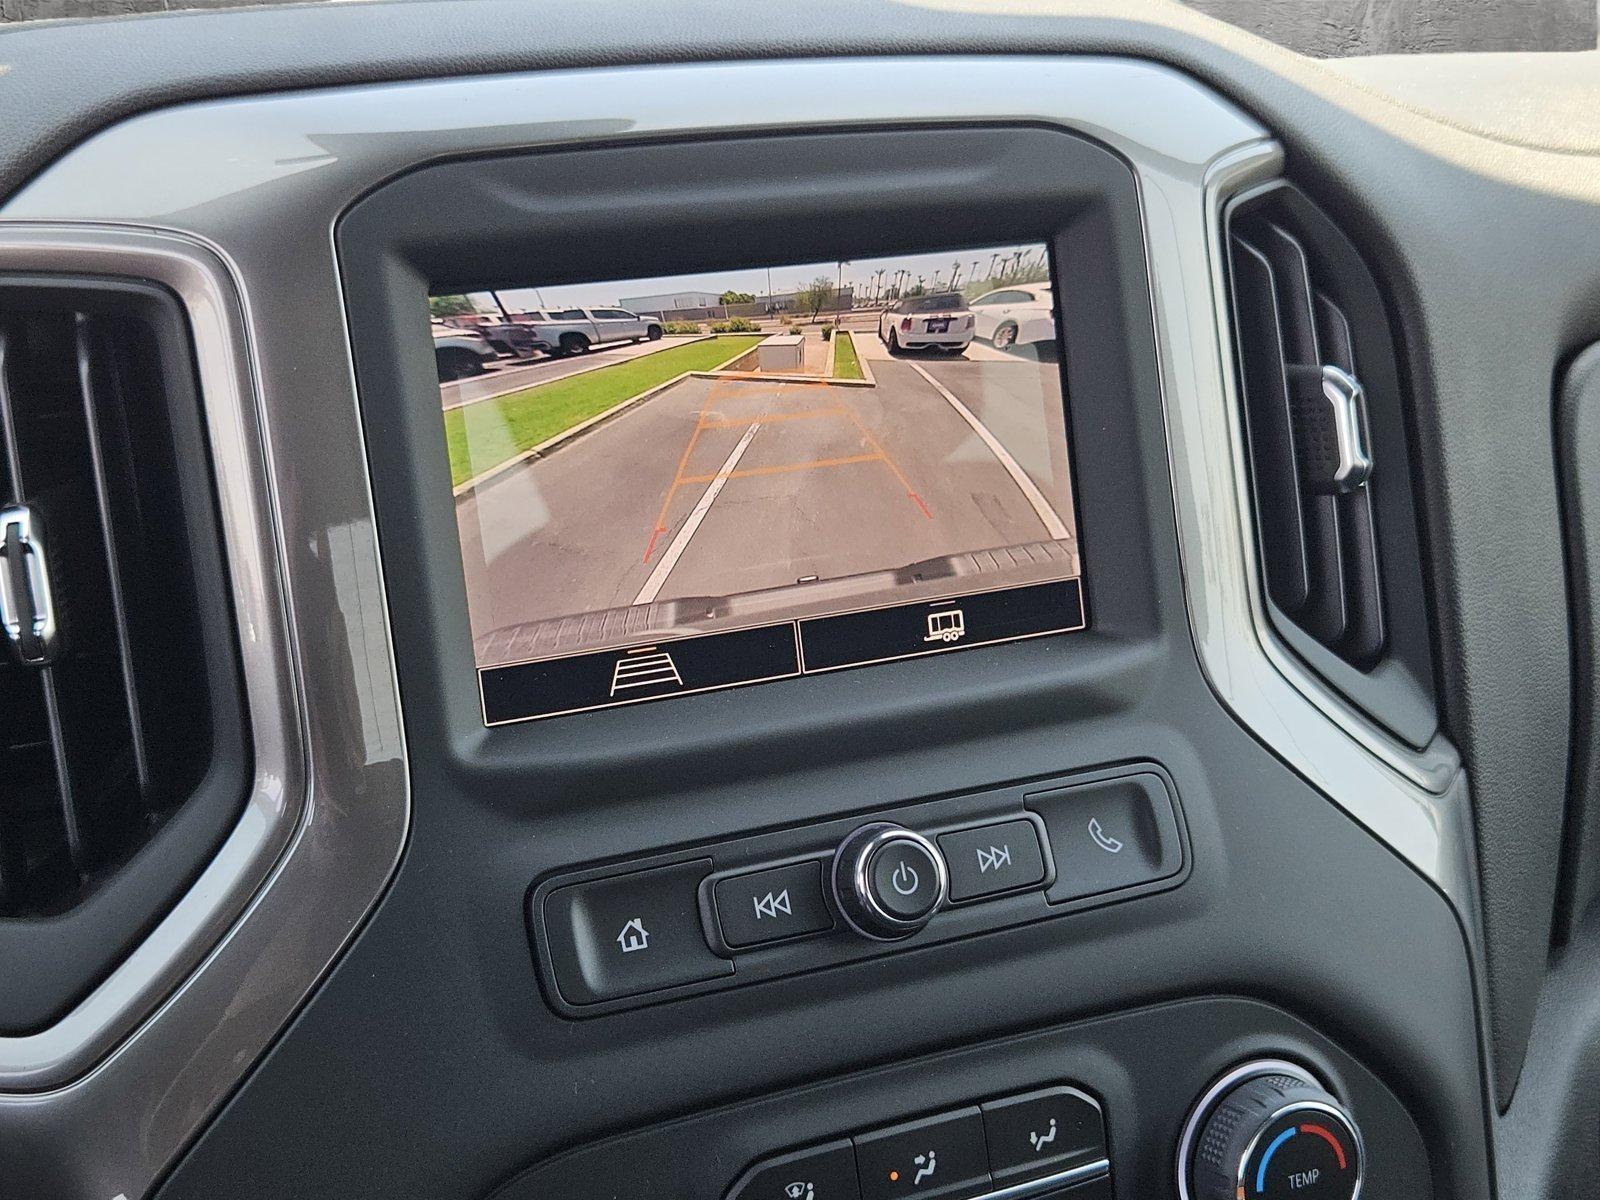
{"points": [[768, 906]]}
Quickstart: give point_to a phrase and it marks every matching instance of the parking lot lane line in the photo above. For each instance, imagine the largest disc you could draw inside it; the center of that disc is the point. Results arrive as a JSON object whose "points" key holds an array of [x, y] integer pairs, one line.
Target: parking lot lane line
{"points": [[700, 425], [889, 462], [785, 468], [669, 559], [1053, 523]]}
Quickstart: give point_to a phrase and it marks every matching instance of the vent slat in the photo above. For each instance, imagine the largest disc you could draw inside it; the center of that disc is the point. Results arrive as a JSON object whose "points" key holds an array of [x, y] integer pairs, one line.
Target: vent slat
{"points": [[96, 376], [1262, 354], [8, 425], [1292, 276]]}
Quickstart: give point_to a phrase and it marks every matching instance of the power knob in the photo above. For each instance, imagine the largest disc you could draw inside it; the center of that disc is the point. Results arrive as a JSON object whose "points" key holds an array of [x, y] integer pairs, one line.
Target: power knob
{"points": [[1269, 1131], [888, 881]]}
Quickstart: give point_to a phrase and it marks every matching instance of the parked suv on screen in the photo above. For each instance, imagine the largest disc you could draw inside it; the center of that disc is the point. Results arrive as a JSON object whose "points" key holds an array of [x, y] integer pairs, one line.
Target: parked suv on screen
{"points": [[575, 330], [458, 353], [938, 321]]}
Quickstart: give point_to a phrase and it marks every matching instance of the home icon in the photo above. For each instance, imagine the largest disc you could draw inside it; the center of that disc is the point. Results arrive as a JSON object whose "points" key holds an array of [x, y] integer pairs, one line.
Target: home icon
{"points": [[633, 936]]}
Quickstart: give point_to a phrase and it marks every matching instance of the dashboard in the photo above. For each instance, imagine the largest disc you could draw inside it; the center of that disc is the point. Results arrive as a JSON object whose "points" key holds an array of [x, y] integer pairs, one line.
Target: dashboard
{"points": [[982, 604]]}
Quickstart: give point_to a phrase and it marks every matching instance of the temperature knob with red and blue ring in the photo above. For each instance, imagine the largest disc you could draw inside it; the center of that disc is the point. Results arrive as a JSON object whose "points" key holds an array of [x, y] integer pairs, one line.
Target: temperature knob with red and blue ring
{"points": [[1272, 1134]]}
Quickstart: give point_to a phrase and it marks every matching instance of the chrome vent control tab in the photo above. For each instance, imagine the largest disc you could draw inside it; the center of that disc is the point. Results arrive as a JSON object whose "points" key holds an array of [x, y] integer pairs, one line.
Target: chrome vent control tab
{"points": [[27, 606], [1352, 461]]}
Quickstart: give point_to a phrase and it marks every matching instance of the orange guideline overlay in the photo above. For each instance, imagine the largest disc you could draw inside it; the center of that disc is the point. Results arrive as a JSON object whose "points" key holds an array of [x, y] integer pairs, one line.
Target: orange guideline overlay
{"points": [[729, 389]]}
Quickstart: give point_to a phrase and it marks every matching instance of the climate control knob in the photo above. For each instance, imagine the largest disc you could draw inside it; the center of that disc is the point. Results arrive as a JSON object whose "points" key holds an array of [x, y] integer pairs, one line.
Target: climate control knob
{"points": [[888, 881], [1271, 1132]]}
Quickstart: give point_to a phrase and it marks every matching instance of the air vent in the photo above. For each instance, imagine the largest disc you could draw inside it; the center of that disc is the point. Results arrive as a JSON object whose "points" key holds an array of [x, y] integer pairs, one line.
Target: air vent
{"points": [[122, 752], [1328, 461]]}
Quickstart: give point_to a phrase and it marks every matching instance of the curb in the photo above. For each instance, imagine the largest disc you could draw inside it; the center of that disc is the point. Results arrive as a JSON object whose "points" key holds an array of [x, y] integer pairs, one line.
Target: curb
{"points": [[566, 435], [758, 377]]}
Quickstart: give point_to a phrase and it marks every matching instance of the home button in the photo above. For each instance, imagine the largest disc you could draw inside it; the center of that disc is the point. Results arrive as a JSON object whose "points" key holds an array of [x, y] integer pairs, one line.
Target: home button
{"points": [[629, 934]]}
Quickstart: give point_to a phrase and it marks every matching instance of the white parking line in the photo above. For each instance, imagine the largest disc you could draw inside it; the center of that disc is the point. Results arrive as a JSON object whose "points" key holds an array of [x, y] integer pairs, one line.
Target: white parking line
{"points": [[1052, 520], [669, 559]]}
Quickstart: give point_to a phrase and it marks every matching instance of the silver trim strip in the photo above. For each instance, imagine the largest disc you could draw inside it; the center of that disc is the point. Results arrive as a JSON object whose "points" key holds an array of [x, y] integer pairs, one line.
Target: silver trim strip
{"points": [[1039, 1187], [263, 180]]}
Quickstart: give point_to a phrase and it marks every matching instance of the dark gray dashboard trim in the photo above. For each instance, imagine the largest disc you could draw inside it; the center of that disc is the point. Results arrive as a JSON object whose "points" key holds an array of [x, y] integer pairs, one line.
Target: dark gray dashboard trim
{"points": [[262, 181]]}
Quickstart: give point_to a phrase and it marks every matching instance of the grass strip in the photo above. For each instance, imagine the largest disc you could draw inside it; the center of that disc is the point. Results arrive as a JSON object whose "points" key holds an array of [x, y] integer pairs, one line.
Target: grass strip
{"points": [[845, 363], [486, 434]]}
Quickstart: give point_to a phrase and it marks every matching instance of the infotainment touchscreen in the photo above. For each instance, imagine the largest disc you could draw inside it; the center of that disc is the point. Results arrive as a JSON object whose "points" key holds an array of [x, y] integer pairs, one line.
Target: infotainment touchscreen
{"points": [[673, 485]]}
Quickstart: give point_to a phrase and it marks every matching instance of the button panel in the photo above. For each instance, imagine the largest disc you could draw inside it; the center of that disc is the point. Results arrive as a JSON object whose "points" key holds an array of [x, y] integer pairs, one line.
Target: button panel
{"points": [[769, 905], [959, 1154]]}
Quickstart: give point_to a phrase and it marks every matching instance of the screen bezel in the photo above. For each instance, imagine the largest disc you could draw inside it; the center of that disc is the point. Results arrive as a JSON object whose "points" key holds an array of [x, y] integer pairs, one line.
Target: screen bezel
{"points": [[495, 222]]}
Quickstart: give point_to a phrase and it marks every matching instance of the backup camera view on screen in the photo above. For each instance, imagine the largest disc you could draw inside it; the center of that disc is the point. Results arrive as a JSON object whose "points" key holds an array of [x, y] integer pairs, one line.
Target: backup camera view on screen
{"points": [[667, 486]]}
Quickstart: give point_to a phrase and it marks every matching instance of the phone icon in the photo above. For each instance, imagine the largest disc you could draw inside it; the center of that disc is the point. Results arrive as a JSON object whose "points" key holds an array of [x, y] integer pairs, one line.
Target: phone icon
{"points": [[1103, 839]]}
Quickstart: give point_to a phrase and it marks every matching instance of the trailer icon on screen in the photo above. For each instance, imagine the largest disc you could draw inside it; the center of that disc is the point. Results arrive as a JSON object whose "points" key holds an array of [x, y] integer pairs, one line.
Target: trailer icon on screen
{"points": [[947, 625]]}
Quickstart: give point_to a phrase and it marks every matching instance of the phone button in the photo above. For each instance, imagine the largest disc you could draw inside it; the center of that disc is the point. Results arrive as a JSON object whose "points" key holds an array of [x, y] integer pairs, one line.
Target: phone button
{"points": [[820, 1173], [1110, 835]]}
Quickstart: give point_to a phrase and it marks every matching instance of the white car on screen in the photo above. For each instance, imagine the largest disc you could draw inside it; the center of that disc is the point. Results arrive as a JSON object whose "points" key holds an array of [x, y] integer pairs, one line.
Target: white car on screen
{"points": [[1016, 316], [936, 321]]}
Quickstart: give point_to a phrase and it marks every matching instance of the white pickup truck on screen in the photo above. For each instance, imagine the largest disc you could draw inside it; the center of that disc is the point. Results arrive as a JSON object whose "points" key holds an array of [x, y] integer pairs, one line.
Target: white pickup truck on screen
{"points": [[574, 330]]}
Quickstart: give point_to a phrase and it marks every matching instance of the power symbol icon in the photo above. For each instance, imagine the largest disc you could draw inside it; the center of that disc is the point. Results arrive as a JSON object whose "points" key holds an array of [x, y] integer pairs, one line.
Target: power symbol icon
{"points": [[905, 879]]}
